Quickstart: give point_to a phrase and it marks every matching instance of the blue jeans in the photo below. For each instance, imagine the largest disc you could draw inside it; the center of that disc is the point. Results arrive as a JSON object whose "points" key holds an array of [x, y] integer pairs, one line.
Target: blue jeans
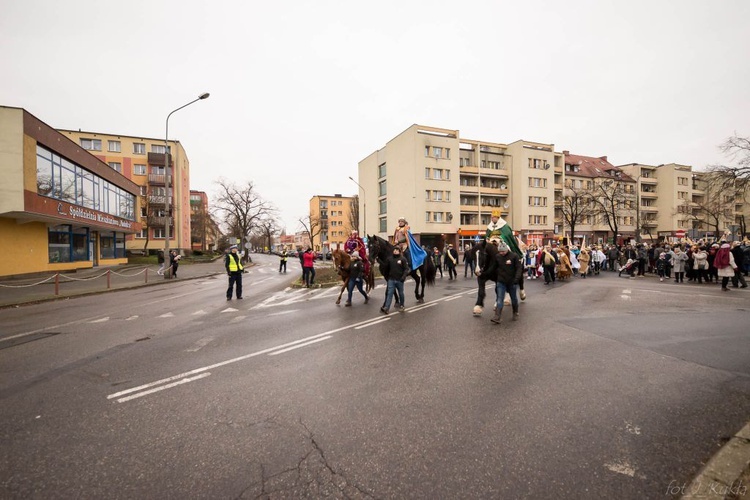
{"points": [[350, 288], [500, 289], [394, 285]]}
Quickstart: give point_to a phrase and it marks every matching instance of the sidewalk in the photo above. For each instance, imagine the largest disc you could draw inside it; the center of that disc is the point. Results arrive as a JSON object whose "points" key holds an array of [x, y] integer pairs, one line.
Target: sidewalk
{"points": [[41, 287]]}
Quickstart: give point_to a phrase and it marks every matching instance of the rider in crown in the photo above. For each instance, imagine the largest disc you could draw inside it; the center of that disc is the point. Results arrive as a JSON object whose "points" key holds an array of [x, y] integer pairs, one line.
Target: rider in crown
{"points": [[499, 228]]}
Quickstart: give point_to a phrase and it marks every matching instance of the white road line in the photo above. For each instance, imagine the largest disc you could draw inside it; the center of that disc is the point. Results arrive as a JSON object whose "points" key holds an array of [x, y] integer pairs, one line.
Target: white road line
{"points": [[300, 345], [452, 298], [100, 320], [237, 319], [167, 315], [199, 313], [381, 320], [627, 290], [415, 309], [168, 386], [131, 318], [261, 281], [229, 310], [284, 312]]}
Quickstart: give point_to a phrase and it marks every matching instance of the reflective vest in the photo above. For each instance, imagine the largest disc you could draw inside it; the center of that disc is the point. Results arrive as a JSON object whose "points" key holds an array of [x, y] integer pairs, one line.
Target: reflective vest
{"points": [[234, 263]]}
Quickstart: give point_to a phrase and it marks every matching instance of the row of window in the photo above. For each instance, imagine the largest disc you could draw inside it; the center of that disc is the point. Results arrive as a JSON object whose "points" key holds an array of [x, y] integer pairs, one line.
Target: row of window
{"points": [[68, 244], [64, 180], [437, 152], [139, 148], [438, 174], [438, 217], [137, 169], [433, 195]]}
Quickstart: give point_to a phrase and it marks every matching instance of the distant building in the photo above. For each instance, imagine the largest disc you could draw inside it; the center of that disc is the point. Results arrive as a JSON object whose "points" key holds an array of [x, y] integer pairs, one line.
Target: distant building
{"points": [[332, 221], [204, 231], [61, 208], [142, 160]]}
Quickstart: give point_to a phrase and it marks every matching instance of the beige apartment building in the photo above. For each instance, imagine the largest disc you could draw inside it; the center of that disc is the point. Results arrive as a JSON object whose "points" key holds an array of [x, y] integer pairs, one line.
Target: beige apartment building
{"points": [[332, 221], [447, 186], [717, 212], [583, 176], [164, 193]]}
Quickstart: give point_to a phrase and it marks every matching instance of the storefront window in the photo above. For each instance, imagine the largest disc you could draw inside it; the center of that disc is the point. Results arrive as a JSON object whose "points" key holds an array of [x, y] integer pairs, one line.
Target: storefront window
{"points": [[59, 244], [80, 244], [107, 244], [120, 245]]}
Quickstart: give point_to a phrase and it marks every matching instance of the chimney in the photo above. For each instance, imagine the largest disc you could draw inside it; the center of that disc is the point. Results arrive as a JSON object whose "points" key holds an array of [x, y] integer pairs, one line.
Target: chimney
{"points": [[566, 152], [603, 158]]}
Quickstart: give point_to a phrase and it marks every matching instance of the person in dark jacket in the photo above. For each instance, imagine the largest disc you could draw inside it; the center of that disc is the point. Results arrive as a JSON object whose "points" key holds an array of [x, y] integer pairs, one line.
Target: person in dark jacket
{"points": [[739, 260], [356, 270], [451, 261], [509, 270], [233, 265], [396, 270]]}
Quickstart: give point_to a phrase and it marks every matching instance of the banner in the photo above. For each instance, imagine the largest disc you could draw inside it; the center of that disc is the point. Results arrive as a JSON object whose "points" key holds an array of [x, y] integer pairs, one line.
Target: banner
{"points": [[417, 252]]}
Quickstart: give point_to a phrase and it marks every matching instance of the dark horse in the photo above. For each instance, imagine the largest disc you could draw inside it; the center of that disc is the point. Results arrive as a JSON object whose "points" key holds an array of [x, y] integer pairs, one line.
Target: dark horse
{"points": [[485, 252], [380, 249]]}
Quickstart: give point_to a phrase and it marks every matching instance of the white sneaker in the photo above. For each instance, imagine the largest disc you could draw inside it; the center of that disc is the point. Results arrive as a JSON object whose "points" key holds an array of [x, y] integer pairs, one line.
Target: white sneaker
{"points": [[528, 277], [661, 279]]}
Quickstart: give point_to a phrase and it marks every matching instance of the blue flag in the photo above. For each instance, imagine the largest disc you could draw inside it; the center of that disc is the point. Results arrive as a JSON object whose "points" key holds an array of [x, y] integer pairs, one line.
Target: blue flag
{"points": [[418, 254]]}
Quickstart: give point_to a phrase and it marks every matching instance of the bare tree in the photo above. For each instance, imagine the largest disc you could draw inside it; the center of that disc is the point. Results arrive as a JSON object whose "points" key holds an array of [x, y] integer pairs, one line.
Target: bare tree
{"points": [[613, 200], [578, 205], [313, 226], [267, 228], [715, 207], [241, 207], [734, 177], [353, 221]]}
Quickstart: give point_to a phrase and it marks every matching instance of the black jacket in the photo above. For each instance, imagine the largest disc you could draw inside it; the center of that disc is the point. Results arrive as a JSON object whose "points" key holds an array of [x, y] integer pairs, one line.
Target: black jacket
{"points": [[395, 268], [356, 268], [739, 257], [509, 268]]}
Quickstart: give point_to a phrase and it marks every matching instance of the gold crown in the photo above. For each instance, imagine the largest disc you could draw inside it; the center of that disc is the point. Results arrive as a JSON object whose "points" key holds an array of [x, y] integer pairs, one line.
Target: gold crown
{"points": [[496, 213]]}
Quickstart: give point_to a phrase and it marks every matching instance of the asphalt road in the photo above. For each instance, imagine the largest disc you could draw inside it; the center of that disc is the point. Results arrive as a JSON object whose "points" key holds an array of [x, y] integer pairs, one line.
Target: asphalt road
{"points": [[605, 388]]}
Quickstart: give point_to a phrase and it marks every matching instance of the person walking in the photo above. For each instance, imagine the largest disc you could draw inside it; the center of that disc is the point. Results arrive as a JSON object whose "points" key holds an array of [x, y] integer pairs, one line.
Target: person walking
{"points": [[437, 259], [451, 259], [584, 258], [738, 280], [468, 262], [174, 263], [679, 261], [549, 260], [356, 271], [233, 265], [397, 269], [509, 271], [308, 267], [283, 256], [725, 265]]}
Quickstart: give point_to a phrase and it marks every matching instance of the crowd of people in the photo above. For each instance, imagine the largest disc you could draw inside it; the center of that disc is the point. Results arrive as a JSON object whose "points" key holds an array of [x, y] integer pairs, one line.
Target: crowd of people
{"points": [[699, 262]]}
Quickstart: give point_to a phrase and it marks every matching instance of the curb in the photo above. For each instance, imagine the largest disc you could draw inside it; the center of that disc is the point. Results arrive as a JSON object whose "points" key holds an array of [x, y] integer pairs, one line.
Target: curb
{"points": [[726, 474]]}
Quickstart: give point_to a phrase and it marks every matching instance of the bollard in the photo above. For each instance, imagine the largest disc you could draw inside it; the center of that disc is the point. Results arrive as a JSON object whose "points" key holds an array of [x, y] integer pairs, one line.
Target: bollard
{"points": [[57, 283], [108, 278]]}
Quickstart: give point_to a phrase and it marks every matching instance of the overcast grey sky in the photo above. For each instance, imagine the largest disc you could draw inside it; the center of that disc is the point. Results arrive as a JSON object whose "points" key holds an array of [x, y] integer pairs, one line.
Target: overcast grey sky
{"points": [[302, 91]]}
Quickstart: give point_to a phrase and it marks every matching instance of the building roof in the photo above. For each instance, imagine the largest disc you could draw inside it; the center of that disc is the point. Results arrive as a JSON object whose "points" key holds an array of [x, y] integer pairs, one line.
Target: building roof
{"points": [[592, 166]]}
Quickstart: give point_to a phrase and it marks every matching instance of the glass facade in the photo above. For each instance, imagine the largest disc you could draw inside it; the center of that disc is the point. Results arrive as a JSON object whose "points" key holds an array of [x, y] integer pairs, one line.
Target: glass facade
{"points": [[67, 244], [63, 180]]}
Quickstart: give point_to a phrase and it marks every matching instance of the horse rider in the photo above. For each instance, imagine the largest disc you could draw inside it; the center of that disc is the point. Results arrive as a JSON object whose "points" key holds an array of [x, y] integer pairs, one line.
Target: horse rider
{"points": [[499, 228], [355, 244], [401, 239]]}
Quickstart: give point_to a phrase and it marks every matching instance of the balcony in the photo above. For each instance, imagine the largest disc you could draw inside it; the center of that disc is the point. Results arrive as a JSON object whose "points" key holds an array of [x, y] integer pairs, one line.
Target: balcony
{"points": [[494, 173], [469, 170], [159, 179], [649, 223], [159, 200], [469, 208], [157, 159], [648, 194], [648, 180]]}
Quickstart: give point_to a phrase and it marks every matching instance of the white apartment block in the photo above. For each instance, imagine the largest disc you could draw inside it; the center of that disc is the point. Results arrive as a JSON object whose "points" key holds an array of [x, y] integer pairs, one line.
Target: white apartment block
{"points": [[447, 186]]}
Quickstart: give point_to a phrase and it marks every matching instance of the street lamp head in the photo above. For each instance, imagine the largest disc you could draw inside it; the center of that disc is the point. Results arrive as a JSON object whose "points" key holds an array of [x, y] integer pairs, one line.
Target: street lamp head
{"points": [[204, 96], [350, 178]]}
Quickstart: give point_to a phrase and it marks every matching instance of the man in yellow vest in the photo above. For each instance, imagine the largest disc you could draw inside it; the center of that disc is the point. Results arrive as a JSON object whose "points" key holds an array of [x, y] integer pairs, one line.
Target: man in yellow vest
{"points": [[234, 270]]}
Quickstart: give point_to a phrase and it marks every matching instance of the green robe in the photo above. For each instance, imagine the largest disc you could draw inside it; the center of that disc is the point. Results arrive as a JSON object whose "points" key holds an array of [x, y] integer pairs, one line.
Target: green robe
{"points": [[504, 231]]}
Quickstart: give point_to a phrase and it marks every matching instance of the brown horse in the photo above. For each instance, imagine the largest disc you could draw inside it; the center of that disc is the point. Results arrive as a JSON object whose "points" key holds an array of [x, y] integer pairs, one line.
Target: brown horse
{"points": [[342, 261]]}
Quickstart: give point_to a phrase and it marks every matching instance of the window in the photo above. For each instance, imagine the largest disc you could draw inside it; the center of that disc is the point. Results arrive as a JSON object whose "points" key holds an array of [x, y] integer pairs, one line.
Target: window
{"points": [[158, 148], [682, 195], [142, 234], [139, 148], [538, 201], [437, 173], [382, 205], [427, 150], [437, 216], [113, 146], [437, 195], [139, 169], [464, 162], [536, 163], [159, 232], [427, 216], [447, 196], [426, 173], [381, 171], [427, 195], [91, 144], [537, 220], [682, 181], [537, 182], [383, 224], [143, 190], [382, 188], [447, 175], [437, 152], [116, 166]]}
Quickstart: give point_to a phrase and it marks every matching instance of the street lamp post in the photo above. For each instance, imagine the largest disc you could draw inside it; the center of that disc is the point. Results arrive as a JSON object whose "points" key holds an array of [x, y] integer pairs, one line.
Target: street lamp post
{"points": [[364, 206], [167, 177]]}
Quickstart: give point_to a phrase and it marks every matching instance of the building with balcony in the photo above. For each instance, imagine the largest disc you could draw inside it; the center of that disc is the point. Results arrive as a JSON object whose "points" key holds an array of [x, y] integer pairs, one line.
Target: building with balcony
{"points": [[597, 199], [204, 231], [164, 190], [719, 210], [61, 208], [447, 186], [332, 221]]}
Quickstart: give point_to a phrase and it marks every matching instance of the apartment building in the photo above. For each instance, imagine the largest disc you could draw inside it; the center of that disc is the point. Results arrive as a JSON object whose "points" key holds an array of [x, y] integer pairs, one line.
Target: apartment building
{"points": [[164, 190], [718, 211], [61, 208], [598, 198], [447, 186], [204, 231], [332, 220]]}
